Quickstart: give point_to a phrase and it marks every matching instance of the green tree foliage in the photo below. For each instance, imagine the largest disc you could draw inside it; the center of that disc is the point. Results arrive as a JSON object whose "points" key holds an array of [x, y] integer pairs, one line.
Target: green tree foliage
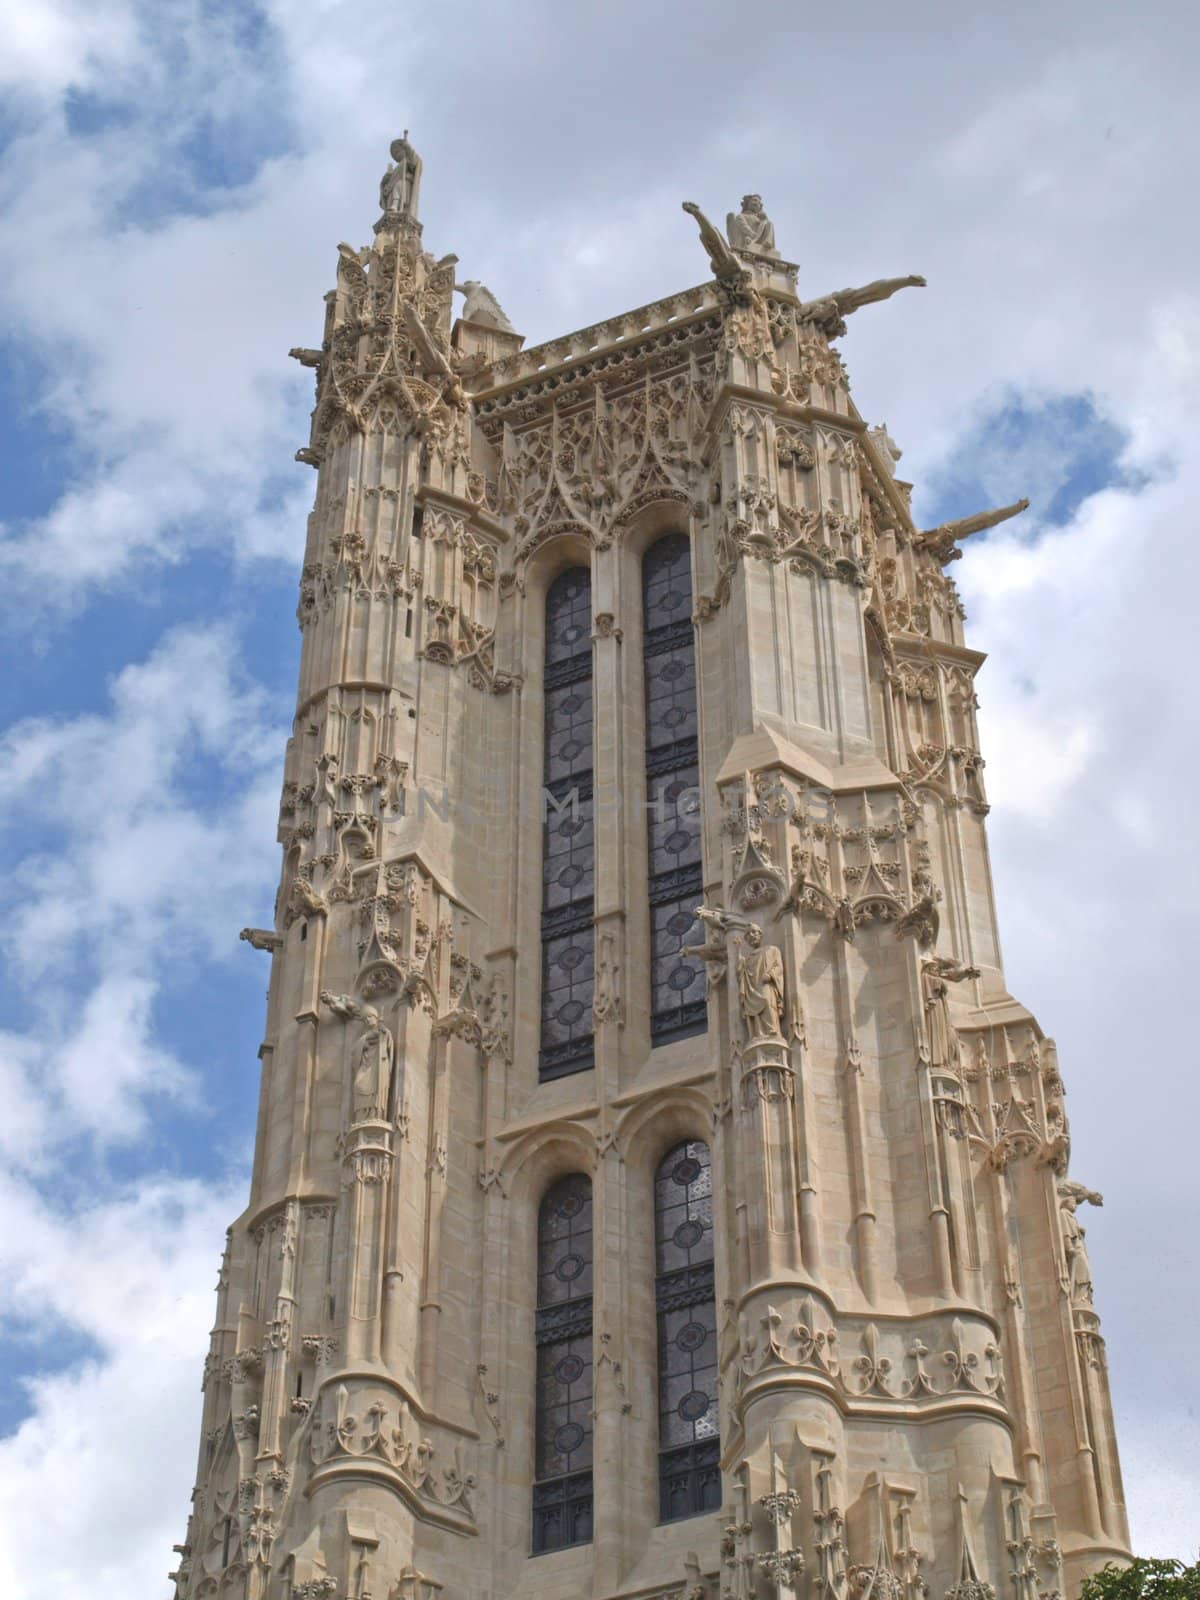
{"points": [[1144, 1580]]}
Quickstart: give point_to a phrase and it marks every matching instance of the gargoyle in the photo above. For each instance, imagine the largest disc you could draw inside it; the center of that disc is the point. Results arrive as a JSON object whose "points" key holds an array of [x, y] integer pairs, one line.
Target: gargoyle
{"points": [[829, 313], [942, 541]]}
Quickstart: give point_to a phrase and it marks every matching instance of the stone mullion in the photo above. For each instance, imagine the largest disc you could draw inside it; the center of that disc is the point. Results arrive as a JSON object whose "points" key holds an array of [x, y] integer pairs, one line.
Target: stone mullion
{"points": [[1089, 1346], [435, 1204], [956, 888], [1018, 1365], [405, 1232], [610, 762], [965, 1218], [1086, 1464], [807, 1158], [811, 1241], [279, 1341], [735, 617], [765, 1105], [941, 1256], [305, 1161], [828, 666], [862, 1199], [495, 1313], [609, 1325], [367, 1167]]}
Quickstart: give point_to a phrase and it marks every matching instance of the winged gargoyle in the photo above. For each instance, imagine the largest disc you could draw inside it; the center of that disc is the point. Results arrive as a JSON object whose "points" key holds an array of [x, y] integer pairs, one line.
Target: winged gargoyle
{"points": [[729, 272], [433, 358], [481, 305], [829, 313], [943, 540]]}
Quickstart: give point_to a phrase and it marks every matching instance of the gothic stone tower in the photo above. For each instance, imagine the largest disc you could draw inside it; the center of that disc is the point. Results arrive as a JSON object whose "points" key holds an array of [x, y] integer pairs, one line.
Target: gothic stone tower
{"points": [[657, 1192]]}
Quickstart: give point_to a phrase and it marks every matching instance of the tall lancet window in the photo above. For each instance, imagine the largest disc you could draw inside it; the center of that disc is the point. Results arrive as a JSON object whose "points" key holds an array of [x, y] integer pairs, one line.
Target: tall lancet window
{"points": [[562, 1489], [568, 851], [689, 1461], [677, 1005]]}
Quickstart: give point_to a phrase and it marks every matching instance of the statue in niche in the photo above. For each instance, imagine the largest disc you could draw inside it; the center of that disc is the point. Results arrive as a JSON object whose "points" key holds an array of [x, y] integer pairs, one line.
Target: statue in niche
{"points": [[1079, 1268], [401, 183], [937, 974], [760, 985], [751, 228], [372, 1085]]}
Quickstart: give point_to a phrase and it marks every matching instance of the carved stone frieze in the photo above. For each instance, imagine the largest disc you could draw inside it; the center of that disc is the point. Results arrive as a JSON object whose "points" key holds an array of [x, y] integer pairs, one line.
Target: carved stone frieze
{"points": [[922, 1361], [373, 1423]]}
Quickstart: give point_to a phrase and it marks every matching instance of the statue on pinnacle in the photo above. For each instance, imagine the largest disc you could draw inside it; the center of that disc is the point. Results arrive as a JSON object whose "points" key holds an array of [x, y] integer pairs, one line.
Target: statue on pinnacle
{"points": [[401, 183]]}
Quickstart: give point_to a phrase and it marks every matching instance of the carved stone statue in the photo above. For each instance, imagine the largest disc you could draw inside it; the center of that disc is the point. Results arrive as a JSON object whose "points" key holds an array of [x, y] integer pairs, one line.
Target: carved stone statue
{"points": [[760, 985], [751, 228], [606, 1003], [937, 974], [1079, 1268], [376, 1051], [401, 183], [481, 305], [829, 313]]}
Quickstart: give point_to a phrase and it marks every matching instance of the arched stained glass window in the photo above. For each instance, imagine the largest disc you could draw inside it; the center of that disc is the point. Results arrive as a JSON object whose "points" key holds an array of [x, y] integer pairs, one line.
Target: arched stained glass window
{"points": [[677, 1003], [567, 833], [689, 1471], [562, 1489]]}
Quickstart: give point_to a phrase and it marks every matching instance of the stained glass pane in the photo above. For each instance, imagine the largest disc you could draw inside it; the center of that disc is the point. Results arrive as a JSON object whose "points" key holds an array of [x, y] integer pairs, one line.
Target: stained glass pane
{"points": [[688, 1423], [569, 615], [562, 1491], [673, 809], [568, 834], [677, 1003]]}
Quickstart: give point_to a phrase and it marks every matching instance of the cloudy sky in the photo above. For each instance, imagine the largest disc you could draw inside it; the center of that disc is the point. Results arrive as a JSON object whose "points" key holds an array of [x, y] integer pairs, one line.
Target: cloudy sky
{"points": [[174, 178]]}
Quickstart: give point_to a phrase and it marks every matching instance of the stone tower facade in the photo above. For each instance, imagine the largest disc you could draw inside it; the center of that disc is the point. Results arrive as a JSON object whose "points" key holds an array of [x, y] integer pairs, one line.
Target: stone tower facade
{"points": [[656, 1192]]}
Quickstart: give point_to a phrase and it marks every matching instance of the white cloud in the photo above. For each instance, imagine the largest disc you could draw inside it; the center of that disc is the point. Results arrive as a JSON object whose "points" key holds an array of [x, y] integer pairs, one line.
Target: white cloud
{"points": [[136, 866], [52, 45], [93, 1484]]}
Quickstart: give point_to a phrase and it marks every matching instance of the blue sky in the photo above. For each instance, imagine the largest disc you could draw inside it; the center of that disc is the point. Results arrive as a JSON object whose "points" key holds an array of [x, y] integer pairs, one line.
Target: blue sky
{"points": [[175, 180]]}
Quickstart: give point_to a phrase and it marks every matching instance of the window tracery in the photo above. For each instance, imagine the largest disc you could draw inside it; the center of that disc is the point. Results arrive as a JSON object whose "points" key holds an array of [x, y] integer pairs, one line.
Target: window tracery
{"points": [[568, 859], [562, 1490], [689, 1469], [677, 987]]}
